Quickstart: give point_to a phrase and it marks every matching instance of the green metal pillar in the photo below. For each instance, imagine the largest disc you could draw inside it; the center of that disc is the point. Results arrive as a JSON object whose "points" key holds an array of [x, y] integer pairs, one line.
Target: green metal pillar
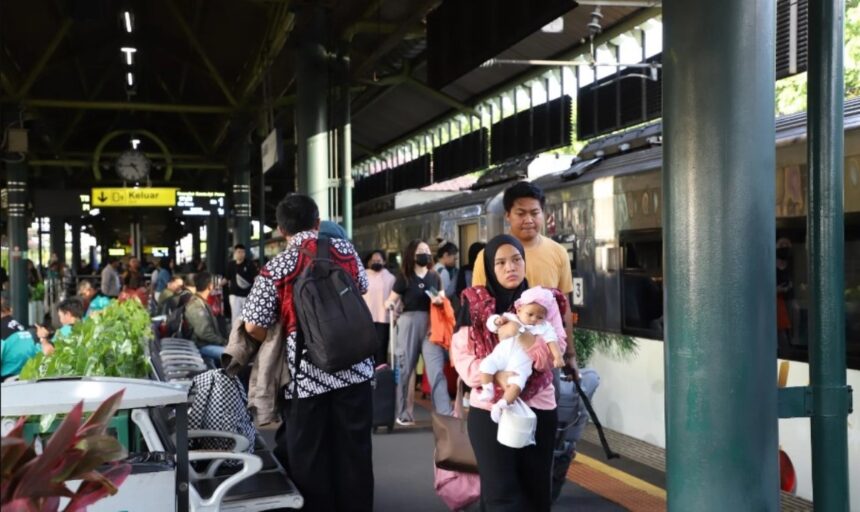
{"points": [[57, 237], [344, 141], [216, 245], [825, 227], [76, 245], [312, 109], [719, 253], [19, 293], [241, 171], [196, 253]]}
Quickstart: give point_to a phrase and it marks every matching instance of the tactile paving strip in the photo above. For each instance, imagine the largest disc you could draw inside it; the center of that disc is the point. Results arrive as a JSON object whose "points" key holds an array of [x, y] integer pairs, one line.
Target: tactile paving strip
{"points": [[655, 457]]}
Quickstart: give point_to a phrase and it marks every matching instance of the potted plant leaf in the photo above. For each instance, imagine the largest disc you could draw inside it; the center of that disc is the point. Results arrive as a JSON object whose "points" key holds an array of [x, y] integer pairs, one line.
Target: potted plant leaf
{"points": [[31, 481]]}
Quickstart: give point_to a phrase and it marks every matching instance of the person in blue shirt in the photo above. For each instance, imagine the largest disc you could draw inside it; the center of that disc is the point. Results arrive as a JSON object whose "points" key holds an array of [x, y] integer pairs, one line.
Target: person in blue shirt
{"points": [[17, 349], [161, 276], [94, 301], [70, 312]]}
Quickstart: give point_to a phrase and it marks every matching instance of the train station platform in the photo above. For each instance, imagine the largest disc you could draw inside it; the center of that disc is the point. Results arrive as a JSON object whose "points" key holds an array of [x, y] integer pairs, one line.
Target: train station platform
{"points": [[636, 481]]}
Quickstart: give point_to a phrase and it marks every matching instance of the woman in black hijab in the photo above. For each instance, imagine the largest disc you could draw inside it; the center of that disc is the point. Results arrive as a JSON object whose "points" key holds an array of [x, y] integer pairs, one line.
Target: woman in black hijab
{"points": [[511, 479]]}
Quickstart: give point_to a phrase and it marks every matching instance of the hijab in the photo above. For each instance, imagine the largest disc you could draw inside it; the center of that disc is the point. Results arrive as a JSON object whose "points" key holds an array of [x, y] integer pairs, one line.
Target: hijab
{"points": [[504, 297]]}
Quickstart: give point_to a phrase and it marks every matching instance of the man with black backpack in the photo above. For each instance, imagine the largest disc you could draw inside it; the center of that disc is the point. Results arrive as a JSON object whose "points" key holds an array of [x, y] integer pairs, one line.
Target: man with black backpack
{"points": [[314, 289]]}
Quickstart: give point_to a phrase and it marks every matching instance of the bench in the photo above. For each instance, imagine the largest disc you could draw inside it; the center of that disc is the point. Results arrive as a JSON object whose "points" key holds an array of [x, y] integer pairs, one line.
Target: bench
{"points": [[175, 359], [260, 483]]}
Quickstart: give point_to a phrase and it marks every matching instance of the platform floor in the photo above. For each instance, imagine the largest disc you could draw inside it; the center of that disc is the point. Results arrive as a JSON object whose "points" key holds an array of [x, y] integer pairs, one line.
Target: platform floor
{"points": [[403, 471]]}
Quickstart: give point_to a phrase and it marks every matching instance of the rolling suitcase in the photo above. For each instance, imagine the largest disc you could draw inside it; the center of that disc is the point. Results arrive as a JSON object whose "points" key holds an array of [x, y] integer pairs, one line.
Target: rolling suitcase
{"points": [[384, 390]]}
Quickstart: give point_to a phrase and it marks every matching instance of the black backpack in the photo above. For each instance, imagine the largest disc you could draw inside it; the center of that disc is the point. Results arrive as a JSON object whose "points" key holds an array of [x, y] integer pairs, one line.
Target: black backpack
{"points": [[175, 325], [334, 322]]}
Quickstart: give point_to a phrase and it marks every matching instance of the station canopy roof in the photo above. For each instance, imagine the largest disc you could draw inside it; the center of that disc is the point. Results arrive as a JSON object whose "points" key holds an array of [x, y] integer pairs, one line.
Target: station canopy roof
{"points": [[199, 69]]}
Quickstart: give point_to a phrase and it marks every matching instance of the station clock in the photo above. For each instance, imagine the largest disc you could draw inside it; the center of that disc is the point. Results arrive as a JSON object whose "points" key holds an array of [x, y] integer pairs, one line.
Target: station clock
{"points": [[133, 165]]}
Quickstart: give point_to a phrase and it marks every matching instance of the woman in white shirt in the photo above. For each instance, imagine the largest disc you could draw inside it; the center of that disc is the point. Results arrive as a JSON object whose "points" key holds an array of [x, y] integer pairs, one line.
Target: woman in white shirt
{"points": [[379, 284]]}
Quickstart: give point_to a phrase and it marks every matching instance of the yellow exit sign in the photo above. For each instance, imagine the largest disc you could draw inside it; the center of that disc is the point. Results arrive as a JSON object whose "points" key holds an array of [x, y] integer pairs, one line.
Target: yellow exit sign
{"points": [[132, 197]]}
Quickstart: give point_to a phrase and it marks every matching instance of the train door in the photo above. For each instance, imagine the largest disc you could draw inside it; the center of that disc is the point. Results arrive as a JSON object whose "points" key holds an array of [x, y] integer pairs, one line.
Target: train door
{"points": [[467, 235]]}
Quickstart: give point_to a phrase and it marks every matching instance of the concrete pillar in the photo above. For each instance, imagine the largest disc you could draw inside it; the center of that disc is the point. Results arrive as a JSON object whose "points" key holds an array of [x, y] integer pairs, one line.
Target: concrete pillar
{"points": [[16, 212], [241, 171], [312, 109], [719, 243]]}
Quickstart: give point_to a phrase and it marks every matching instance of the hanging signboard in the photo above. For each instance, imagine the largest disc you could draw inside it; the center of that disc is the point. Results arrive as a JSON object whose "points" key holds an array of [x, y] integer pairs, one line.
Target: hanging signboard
{"points": [[132, 197], [272, 151]]}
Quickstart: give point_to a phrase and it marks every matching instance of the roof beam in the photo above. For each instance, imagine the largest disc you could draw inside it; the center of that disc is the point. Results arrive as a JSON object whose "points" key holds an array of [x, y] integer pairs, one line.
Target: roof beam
{"points": [[79, 115], [195, 134], [270, 47], [195, 24], [10, 77], [125, 106], [405, 26], [201, 52], [212, 166], [46, 56], [628, 23]]}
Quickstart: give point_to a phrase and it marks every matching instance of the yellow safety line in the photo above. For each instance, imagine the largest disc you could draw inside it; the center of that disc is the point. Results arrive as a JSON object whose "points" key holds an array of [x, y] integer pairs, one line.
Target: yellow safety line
{"points": [[625, 478]]}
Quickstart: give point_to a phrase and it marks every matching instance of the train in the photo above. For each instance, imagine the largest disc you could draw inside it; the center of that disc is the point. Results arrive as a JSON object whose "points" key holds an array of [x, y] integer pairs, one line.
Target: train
{"points": [[606, 209]]}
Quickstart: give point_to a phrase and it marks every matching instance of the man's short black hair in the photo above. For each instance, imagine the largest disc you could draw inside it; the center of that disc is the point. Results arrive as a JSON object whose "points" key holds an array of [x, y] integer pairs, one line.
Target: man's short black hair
{"points": [[447, 248], [202, 280], [297, 213], [521, 190], [73, 306], [239, 246]]}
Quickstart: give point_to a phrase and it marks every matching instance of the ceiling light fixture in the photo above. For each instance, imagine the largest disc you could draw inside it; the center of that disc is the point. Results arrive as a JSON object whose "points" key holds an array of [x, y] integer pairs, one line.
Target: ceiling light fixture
{"points": [[130, 78], [127, 16], [129, 52]]}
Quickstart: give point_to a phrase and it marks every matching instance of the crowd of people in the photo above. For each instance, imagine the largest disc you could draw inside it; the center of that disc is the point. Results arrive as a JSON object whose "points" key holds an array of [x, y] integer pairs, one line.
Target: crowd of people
{"points": [[514, 288]]}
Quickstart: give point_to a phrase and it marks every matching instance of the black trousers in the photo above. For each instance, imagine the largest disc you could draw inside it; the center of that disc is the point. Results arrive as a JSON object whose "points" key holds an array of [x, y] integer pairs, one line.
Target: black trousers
{"points": [[382, 333], [328, 449], [513, 479]]}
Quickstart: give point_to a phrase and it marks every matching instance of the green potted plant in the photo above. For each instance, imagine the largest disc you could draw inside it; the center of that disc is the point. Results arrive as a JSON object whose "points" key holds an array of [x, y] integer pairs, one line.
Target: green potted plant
{"points": [[109, 344], [588, 342], [31, 482]]}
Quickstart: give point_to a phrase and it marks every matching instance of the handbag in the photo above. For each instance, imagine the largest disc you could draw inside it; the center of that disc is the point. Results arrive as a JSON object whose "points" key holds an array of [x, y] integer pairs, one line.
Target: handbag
{"points": [[453, 448]]}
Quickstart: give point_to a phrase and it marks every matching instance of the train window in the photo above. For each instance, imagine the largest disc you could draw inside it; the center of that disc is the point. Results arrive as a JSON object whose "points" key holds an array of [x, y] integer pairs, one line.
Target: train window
{"points": [[793, 290], [642, 284], [569, 243]]}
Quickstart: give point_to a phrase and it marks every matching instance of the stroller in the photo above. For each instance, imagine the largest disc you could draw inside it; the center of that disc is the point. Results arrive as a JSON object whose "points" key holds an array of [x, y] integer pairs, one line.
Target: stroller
{"points": [[574, 408]]}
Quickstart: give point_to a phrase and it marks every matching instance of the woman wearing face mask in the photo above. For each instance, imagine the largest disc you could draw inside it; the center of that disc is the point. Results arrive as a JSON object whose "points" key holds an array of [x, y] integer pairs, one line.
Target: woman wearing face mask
{"points": [[410, 289], [379, 284]]}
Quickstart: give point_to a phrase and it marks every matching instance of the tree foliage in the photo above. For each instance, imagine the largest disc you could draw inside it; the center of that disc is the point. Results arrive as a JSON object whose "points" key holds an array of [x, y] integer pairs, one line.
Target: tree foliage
{"points": [[791, 91]]}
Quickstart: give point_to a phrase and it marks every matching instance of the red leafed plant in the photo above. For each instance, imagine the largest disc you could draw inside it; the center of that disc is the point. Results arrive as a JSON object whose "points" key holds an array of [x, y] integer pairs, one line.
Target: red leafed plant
{"points": [[31, 482]]}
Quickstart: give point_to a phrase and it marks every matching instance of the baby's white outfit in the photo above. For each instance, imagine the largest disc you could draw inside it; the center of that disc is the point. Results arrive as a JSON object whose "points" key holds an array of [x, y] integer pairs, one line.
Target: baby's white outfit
{"points": [[509, 356]]}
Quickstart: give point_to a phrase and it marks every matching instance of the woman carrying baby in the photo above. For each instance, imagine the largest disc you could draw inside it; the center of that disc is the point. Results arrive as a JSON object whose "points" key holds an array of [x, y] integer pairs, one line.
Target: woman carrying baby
{"points": [[512, 479]]}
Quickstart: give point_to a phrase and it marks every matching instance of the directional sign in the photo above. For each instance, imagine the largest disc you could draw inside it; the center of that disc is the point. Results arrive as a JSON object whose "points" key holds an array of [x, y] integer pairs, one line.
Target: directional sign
{"points": [[133, 197]]}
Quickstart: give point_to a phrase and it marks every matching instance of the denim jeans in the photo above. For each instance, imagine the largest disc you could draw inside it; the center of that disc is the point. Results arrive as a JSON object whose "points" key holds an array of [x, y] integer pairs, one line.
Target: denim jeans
{"points": [[212, 354]]}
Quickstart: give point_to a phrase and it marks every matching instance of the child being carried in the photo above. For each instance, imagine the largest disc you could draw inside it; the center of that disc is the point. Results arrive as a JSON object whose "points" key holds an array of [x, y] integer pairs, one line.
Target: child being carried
{"points": [[533, 309]]}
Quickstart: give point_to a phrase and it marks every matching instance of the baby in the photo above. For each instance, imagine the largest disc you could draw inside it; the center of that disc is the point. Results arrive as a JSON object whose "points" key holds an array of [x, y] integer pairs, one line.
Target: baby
{"points": [[537, 313]]}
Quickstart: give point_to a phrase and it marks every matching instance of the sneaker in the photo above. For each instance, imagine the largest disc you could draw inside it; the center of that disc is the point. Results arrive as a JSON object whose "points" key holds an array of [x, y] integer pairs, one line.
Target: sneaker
{"points": [[405, 423]]}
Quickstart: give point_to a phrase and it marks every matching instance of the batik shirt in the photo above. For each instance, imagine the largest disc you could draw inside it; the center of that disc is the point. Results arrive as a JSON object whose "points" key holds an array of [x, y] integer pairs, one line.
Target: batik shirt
{"points": [[270, 301]]}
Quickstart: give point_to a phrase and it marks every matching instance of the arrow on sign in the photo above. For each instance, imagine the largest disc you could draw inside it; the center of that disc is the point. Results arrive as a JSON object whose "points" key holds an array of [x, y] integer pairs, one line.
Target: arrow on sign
{"points": [[102, 197]]}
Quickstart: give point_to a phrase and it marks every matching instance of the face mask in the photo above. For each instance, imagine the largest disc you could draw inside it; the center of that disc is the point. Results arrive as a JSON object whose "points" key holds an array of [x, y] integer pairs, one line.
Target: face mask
{"points": [[422, 260], [783, 253], [376, 267]]}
